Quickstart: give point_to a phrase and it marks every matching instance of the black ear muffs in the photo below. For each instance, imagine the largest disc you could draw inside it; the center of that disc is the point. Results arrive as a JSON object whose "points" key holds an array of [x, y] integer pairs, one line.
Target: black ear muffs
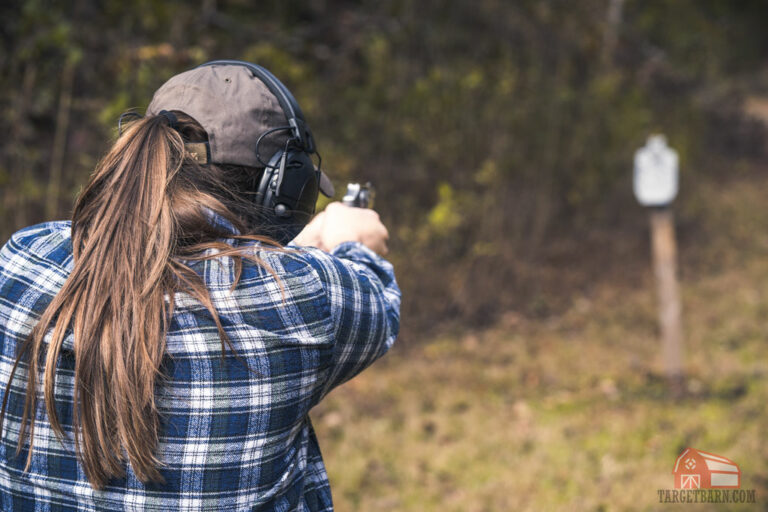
{"points": [[288, 192], [290, 185]]}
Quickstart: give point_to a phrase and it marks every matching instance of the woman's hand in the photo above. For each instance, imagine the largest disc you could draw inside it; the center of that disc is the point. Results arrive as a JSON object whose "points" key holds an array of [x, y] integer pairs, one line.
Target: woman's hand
{"points": [[340, 223]]}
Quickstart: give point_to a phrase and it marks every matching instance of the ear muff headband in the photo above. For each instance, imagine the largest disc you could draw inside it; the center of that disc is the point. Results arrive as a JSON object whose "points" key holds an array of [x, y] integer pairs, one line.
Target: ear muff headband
{"points": [[288, 103], [289, 185]]}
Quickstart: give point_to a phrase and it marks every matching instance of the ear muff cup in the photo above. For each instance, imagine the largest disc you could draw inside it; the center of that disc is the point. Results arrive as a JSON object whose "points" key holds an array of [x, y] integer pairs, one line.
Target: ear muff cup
{"points": [[288, 188], [288, 192]]}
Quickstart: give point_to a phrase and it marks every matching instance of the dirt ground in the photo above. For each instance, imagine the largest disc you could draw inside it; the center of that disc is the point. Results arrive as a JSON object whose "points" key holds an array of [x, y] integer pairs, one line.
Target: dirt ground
{"points": [[570, 412]]}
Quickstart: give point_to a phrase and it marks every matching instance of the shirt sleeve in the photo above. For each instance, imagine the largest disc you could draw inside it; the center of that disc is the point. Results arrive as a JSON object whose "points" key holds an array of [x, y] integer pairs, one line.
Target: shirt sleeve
{"points": [[364, 300]]}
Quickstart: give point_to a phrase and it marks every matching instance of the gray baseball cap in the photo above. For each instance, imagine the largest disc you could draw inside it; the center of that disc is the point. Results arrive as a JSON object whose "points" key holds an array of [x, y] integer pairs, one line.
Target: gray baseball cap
{"points": [[234, 107]]}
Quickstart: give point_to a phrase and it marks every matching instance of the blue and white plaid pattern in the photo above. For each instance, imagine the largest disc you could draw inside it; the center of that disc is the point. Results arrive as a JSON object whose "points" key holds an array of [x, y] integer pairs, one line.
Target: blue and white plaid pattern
{"points": [[232, 439]]}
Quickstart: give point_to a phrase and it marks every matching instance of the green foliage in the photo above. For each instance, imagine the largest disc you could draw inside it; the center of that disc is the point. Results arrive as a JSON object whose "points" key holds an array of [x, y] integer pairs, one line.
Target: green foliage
{"points": [[578, 401], [489, 128], [445, 217]]}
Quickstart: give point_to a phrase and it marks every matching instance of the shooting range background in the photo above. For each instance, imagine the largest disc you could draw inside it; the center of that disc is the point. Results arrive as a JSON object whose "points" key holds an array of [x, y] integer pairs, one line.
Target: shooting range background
{"points": [[500, 138]]}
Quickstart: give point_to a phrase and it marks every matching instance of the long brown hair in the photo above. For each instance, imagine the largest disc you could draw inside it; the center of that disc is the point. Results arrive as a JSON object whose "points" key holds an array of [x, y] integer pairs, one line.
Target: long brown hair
{"points": [[141, 215]]}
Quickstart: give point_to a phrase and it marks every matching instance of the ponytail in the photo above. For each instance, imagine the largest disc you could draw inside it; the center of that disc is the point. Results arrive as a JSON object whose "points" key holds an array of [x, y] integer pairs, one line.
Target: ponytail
{"points": [[142, 210]]}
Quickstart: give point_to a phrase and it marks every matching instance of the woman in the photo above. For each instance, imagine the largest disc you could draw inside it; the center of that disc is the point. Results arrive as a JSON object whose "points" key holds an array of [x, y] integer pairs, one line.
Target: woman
{"points": [[162, 350]]}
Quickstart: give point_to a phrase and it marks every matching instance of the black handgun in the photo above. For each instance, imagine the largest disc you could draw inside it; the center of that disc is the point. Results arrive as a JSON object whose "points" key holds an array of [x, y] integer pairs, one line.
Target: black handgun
{"points": [[360, 196]]}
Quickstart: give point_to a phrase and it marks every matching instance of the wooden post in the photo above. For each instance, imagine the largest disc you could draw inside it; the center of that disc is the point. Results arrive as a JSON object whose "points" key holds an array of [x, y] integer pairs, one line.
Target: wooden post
{"points": [[665, 268]]}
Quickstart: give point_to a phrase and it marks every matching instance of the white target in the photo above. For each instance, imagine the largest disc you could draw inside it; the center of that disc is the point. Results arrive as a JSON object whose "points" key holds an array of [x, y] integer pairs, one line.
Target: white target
{"points": [[656, 172]]}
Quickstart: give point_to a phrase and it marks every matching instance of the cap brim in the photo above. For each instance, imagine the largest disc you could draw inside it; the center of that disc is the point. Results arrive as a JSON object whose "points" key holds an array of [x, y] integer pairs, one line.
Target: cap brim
{"points": [[326, 187]]}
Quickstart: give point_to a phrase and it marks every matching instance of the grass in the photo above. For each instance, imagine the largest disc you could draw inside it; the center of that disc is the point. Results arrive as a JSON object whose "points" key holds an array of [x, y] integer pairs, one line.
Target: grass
{"points": [[570, 412]]}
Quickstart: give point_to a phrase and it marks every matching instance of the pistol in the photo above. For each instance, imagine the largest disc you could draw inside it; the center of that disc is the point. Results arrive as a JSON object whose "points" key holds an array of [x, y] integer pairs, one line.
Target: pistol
{"points": [[360, 196]]}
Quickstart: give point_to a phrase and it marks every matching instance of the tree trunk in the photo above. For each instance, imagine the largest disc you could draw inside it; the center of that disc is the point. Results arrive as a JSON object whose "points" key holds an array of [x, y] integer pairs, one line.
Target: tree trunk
{"points": [[60, 141]]}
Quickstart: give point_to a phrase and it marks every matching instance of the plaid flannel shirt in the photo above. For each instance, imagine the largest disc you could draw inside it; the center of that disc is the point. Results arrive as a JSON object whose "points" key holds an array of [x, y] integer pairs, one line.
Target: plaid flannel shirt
{"points": [[231, 440]]}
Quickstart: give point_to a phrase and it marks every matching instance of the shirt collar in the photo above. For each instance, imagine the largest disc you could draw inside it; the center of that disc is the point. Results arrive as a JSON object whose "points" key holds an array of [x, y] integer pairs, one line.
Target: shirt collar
{"points": [[219, 221]]}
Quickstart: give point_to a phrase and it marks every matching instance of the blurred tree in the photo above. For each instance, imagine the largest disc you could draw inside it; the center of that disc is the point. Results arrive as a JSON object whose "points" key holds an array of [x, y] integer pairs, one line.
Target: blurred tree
{"points": [[491, 129]]}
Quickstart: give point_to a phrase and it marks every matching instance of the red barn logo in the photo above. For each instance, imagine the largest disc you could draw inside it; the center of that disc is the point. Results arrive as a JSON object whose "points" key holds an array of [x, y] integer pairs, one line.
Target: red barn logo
{"points": [[695, 469]]}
